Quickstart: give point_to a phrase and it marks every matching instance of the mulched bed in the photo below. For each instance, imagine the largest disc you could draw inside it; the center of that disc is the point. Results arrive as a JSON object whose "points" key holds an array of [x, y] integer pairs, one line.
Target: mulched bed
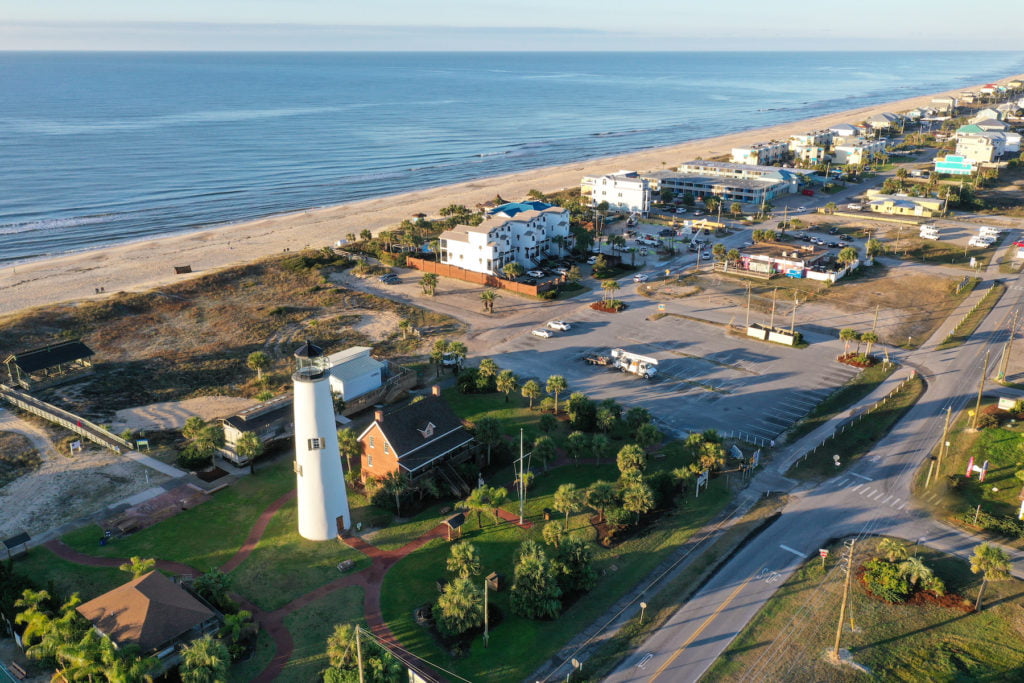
{"points": [[600, 306], [856, 361], [212, 474]]}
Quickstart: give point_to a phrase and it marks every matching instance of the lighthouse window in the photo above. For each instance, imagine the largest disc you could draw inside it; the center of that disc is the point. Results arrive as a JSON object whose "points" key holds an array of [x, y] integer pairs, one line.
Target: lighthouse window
{"points": [[315, 444]]}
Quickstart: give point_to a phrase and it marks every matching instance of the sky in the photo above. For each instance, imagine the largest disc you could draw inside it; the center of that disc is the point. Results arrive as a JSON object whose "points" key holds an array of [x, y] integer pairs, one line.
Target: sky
{"points": [[531, 25]]}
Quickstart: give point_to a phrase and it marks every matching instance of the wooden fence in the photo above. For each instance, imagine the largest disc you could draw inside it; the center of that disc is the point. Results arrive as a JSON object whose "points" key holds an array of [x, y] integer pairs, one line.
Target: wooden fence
{"points": [[445, 270]]}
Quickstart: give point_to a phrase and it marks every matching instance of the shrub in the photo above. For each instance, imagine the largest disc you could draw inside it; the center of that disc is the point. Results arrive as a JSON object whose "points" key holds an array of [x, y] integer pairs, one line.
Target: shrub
{"points": [[885, 580], [549, 295], [664, 487], [988, 421], [192, 459]]}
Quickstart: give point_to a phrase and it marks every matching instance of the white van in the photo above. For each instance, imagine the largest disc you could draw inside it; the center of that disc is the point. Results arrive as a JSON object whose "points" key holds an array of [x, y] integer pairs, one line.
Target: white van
{"points": [[929, 232]]}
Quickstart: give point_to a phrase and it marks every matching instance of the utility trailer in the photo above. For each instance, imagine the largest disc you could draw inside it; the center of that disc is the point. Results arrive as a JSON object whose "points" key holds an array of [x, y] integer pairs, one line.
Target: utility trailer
{"points": [[634, 363]]}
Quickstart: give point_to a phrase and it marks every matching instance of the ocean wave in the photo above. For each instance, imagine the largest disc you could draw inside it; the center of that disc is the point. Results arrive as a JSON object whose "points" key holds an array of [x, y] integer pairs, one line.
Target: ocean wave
{"points": [[51, 224]]}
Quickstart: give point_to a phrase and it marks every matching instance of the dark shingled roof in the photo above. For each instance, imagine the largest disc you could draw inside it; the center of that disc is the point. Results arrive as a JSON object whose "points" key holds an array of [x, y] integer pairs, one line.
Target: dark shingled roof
{"points": [[149, 611], [49, 356], [402, 426]]}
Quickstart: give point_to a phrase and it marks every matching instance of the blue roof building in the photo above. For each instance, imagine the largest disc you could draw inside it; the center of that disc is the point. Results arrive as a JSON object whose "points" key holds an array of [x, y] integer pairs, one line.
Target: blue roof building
{"points": [[510, 209], [954, 164]]}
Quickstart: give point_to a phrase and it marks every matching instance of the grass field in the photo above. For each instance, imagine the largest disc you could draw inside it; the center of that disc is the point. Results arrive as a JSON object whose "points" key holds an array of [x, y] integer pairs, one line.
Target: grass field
{"points": [[519, 645], [310, 627], [243, 672], [284, 566], [788, 638], [63, 578], [860, 437], [842, 398], [204, 537]]}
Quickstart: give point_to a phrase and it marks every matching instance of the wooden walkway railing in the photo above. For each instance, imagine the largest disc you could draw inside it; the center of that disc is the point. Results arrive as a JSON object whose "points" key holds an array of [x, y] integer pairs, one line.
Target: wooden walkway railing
{"points": [[59, 416]]}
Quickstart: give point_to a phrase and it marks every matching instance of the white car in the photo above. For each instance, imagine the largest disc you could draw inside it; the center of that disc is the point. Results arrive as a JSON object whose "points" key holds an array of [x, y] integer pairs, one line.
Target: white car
{"points": [[535, 273], [592, 260], [680, 211], [541, 332], [640, 277], [559, 325]]}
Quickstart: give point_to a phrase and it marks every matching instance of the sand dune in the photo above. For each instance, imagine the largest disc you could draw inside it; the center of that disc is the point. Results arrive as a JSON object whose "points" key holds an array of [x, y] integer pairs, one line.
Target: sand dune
{"points": [[143, 265]]}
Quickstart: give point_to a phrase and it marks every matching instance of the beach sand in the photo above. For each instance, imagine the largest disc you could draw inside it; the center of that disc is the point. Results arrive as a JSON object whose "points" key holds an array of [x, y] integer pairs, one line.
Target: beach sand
{"points": [[143, 265]]}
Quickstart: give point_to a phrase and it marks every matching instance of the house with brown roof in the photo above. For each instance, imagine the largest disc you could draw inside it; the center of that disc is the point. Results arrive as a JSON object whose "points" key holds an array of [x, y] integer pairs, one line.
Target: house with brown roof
{"points": [[417, 439], [152, 612]]}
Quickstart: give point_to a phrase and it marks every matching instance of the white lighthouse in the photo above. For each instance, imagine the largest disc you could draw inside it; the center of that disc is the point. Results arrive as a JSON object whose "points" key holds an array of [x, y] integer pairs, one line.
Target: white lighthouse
{"points": [[320, 482]]}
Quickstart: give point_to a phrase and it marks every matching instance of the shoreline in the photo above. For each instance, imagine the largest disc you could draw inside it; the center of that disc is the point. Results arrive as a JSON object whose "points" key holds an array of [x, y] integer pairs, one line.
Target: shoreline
{"points": [[147, 263]]}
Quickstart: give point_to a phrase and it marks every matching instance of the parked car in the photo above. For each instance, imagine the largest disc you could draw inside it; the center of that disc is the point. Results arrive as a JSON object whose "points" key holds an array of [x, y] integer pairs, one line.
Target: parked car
{"points": [[640, 277], [560, 325], [698, 213], [541, 332], [592, 260], [833, 231], [562, 270], [833, 245], [680, 210], [667, 232], [706, 255], [389, 279], [643, 251], [535, 273]]}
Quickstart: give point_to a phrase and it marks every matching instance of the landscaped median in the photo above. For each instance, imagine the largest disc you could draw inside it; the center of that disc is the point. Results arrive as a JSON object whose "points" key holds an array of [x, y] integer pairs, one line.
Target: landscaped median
{"points": [[927, 637]]}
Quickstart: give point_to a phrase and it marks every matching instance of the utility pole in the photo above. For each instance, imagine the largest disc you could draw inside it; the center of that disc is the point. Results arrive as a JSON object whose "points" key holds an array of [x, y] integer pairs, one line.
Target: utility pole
{"points": [[875, 323], [1005, 364], [981, 388], [522, 482], [846, 593], [487, 634], [792, 319], [359, 654], [945, 438], [749, 287], [774, 293]]}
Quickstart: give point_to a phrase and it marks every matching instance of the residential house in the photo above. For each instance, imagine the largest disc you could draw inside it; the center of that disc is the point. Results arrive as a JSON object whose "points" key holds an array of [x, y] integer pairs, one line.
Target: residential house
{"points": [[900, 205], [152, 612], [944, 104], [992, 126], [967, 97], [989, 89], [986, 113], [883, 121], [981, 147], [810, 154], [954, 164], [51, 364], [761, 153], [355, 372], [917, 113], [846, 130], [524, 232], [416, 439], [270, 421], [624, 191], [1015, 84], [811, 138], [860, 151]]}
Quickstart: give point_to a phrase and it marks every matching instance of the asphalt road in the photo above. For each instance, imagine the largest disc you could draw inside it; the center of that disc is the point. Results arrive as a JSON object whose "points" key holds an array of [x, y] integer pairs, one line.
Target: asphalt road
{"points": [[872, 497]]}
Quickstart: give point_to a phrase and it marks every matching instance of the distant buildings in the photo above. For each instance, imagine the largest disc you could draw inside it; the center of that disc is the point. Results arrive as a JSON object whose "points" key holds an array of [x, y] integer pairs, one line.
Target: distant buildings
{"points": [[860, 151], [624, 191], [900, 205], [730, 182], [944, 104], [521, 232], [883, 121], [761, 153]]}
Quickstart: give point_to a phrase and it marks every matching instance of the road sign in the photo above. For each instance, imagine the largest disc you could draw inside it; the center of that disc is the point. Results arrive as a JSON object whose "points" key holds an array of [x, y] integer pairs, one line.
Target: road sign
{"points": [[835, 459], [661, 307], [736, 452], [823, 552]]}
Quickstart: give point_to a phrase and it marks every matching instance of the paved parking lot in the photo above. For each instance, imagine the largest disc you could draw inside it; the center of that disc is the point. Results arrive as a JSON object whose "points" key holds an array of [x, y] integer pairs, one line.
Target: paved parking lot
{"points": [[706, 377]]}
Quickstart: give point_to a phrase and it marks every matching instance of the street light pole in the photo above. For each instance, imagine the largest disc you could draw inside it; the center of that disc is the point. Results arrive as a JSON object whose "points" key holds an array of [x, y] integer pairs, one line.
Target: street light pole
{"points": [[981, 388]]}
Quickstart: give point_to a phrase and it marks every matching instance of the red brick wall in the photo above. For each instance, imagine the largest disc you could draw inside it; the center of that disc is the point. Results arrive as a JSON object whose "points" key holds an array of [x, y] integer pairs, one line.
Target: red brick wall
{"points": [[383, 463]]}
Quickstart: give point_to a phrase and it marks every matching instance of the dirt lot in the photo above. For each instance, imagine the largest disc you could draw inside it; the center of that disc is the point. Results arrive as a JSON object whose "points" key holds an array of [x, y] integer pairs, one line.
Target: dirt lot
{"points": [[172, 414], [17, 456], [910, 303], [192, 339]]}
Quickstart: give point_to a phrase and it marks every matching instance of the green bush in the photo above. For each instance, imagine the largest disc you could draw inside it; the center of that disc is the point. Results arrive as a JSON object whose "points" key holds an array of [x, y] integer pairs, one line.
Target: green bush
{"points": [[193, 459], [885, 580]]}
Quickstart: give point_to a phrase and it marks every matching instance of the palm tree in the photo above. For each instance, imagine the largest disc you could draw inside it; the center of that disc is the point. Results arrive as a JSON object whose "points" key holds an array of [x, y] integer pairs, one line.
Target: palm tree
{"points": [[601, 495], [406, 327], [463, 560], [499, 496], [869, 338], [348, 444], [193, 426], [32, 614], [892, 549], [599, 444], [395, 483], [204, 660], [733, 255], [544, 450], [638, 497], [258, 361], [568, 499], [512, 270], [341, 646], [873, 247], [506, 383], [847, 334], [137, 566], [428, 283], [830, 207], [556, 385], [916, 571], [609, 286], [488, 368], [457, 350], [235, 625], [125, 664], [488, 297], [576, 444], [847, 255], [992, 563], [249, 446], [488, 432], [531, 390], [478, 501]]}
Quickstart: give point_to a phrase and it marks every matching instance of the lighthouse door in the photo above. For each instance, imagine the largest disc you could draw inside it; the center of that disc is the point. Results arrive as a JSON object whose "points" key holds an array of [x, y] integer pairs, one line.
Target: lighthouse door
{"points": [[340, 522]]}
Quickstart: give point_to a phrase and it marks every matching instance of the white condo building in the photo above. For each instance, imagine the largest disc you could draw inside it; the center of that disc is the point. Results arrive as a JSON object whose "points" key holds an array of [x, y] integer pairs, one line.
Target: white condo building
{"points": [[858, 152], [624, 191], [524, 232], [761, 153]]}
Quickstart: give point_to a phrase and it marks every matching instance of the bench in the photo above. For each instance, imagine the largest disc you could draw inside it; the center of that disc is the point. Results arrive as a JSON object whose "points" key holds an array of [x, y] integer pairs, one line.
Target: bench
{"points": [[17, 671]]}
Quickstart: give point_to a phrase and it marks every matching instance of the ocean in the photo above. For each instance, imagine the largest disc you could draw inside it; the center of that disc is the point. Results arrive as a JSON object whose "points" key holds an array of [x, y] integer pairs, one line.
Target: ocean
{"points": [[105, 148]]}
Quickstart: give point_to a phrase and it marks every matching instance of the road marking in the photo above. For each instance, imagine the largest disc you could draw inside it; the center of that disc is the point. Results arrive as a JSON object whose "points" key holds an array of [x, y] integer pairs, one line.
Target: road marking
{"points": [[861, 476], [857, 487], [643, 662], [887, 499], [877, 496], [903, 506], [840, 482], [700, 629], [795, 552]]}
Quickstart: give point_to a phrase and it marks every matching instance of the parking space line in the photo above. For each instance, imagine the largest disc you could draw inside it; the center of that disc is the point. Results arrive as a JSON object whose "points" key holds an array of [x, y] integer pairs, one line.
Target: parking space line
{"points": [[861, 476], [790, 550], [887, 499]]}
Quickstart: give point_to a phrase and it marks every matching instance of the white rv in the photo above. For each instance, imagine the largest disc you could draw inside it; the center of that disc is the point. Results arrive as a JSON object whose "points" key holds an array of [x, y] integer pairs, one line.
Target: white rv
{"points": [[929, 232]]}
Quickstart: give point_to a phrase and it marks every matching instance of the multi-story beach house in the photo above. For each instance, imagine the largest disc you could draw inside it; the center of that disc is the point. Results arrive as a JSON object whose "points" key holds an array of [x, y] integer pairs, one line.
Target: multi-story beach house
{"points": [[944, 104], [743, 183], [954, 164], [761, 153], [809, 154], [860, 151], [812, 138], [883, 121], [624, 191], [845, 130], [981, 147], [524, 232]]}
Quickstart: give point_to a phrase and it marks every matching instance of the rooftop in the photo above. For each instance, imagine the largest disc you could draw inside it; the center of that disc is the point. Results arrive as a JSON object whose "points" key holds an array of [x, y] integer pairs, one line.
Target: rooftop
{"points": [[49, 356]]}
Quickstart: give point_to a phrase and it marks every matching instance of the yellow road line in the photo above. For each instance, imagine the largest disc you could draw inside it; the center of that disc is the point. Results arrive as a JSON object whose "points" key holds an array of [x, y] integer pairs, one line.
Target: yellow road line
{"points": [[700, 630]]}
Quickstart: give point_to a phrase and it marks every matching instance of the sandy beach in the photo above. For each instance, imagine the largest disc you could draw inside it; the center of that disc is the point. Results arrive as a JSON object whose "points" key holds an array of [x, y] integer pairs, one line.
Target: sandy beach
{"points": [[143, 265]]}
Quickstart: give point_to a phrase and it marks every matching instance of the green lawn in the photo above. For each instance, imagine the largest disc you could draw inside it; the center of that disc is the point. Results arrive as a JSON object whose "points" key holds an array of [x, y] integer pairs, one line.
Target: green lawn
{"points": [[910, 642], [519, 645], [859, 438], [243, 672], [206, 536], [284, 566], [842, 398], [310, 627], [64, 578], [396, 535]]}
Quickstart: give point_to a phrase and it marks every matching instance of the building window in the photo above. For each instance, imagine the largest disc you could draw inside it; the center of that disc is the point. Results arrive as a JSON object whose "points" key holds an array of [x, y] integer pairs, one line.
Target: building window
{"points": [[297, 467], [369, 460], [315, 444], [386, 450], [372, 442]]}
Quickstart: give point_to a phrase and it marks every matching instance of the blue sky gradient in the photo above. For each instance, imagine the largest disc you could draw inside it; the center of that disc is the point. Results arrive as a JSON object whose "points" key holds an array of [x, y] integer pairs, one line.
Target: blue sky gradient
{"points": [[601, 25]]}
